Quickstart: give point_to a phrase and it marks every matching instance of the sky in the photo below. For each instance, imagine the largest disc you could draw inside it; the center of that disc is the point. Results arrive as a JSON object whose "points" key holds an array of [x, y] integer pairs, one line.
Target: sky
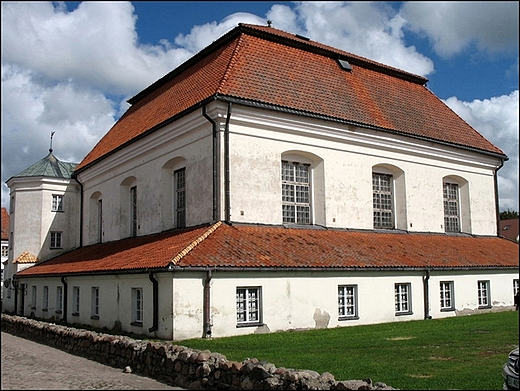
{"points": [[68, 68]]}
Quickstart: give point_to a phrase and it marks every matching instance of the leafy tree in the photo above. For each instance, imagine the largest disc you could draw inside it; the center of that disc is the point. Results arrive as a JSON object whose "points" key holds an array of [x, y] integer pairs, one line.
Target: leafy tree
{"points": [[509, 214]]}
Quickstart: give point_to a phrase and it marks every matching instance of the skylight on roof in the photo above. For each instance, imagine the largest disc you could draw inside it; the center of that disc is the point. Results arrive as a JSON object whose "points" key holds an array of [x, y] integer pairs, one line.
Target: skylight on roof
{"points": [[344, 64]]}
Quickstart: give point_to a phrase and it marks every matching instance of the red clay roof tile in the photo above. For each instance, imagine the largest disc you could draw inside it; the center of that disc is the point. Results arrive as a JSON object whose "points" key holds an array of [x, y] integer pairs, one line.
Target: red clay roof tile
{"points": [[269, 66], [251, 246]]}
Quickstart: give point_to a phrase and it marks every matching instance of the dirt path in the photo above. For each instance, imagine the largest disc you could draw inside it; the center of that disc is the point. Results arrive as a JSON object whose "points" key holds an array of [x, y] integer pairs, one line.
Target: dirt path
{"points": [[28, 365]]}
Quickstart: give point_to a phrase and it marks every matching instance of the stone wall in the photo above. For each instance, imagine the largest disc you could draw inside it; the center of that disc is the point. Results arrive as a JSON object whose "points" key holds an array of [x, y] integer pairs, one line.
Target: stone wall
{"points": [[177, 365]]}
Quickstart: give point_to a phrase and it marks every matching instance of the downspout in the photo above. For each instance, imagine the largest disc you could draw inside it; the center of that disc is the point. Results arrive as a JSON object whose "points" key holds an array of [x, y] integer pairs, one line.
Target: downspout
{"points": [[497, 203], [426, 288], [206, 333], [215, 163], [64, 317], [155, 303], [226, 165]]}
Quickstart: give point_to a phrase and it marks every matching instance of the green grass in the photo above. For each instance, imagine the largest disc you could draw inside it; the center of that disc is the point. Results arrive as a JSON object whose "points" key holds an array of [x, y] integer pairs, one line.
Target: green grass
{"points": [[464, 352]]}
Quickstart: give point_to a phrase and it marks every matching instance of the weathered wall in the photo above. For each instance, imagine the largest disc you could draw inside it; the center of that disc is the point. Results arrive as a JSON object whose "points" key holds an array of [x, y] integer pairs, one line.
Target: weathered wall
{"points": [[177, 365]]}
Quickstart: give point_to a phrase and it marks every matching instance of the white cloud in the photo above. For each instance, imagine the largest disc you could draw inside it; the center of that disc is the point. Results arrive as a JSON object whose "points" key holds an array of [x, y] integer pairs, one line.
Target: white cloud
{"points": [[452, 26], [71, 72], [497, 120]]}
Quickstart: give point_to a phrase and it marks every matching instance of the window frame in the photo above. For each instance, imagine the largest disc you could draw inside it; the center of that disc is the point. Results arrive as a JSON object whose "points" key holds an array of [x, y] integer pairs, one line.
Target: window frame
{"points": [[377, 202], [179, 189], [484, 293], [447, 297], [45, 298], [343, 303], [449, 216], [56, 239], [94, 303], [57, 203], [75, 300], [296, 194], [133, 211], [59, 299], [34, 296], [403, 305], [137, 306], [247, 308]]}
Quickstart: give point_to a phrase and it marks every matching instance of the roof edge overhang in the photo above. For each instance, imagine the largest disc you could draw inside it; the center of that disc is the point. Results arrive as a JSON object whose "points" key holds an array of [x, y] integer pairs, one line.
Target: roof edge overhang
{"points": [[284, 109], [174, 269]]}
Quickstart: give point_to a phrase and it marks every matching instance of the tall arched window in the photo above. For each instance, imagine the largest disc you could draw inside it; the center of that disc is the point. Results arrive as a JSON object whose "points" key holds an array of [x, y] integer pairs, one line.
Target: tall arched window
{"points": [[302, 189], [129, 207], [173, 193], [455, 197], [96, 218], [388, 197]]}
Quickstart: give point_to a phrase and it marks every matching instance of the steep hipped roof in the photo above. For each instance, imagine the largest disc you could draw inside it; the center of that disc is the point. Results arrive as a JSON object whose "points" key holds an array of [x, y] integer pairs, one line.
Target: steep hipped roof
{"points": [[50, 167], [5, 224], [222, 246], [266, 67]]}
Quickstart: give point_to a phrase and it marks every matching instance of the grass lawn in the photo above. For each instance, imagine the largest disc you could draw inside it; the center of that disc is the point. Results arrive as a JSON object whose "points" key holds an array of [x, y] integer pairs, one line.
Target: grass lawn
{"points": [[464, 352]]}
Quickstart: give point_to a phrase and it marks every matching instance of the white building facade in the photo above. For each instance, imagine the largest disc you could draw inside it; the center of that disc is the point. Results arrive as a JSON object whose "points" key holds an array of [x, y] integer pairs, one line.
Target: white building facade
{"points": [[232, 215]]}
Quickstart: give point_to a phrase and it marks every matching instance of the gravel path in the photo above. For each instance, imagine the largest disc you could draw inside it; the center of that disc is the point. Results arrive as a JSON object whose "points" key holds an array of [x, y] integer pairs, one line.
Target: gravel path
{"points": [[27, 365]]}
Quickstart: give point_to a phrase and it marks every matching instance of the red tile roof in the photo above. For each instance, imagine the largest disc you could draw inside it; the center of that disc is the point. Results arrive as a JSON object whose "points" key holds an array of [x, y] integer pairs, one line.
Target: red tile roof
{"points": [[251, 246], [259, 64], [509, 229], [5, 224]]}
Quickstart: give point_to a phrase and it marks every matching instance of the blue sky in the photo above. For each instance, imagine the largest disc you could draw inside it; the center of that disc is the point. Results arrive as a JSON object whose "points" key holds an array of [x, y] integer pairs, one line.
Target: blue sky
{"points": [[70, 67]]}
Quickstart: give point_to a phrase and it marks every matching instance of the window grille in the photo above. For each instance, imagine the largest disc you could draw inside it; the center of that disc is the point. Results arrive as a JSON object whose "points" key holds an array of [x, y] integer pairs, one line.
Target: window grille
{"points": [[57, 203], [180, 197], [402, 299], [347, 301], [382, 201], [451, 207], [296, 200], [248, 305]]}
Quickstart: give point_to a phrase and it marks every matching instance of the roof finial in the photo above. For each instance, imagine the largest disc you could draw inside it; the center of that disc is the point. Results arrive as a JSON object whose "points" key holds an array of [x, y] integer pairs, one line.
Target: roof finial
{"points": [[52, 134], [269, 22]]}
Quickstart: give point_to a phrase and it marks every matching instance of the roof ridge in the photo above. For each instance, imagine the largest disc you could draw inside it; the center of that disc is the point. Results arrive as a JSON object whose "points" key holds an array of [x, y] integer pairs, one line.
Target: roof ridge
{"points": [[232, 61], [194, 244]]}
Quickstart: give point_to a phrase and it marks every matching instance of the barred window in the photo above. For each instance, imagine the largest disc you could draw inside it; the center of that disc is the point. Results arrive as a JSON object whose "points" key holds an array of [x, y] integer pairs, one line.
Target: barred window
{"points": [[347, 301], [451, 207], [180, 197], [403, 303], [296, 199], [57, 203], [446, 293], [382, 200], [248, 305]]}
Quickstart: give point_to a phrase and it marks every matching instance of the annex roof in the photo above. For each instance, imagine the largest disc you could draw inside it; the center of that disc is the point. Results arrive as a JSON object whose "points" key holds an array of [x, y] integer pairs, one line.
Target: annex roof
{"points": [[236, 247], [50, 167], [509, 229], [263, 66]]}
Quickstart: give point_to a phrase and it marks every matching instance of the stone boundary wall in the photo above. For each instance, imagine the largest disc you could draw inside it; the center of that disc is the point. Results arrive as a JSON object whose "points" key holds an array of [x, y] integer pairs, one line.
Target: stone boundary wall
{"points": [[177, 365]]}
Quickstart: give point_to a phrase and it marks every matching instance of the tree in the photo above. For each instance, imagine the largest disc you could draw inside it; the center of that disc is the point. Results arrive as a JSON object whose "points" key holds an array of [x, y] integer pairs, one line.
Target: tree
{"points": [[509, 214]]}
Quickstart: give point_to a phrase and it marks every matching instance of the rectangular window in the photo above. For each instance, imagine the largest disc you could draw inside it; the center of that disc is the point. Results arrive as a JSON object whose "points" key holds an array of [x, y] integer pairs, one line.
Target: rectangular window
{"points": [[137, 306], [56, 239], [100, 221], [45, 298], [57, 203], [133, 210], [296, 193], [483, 294], [33, 303], [347, 302], [248, 302], [180, 197], [382, 201], [94, 301], [451, 207], [59, 299], [75, 300], [446, 291], [5, 250], [403, 302]]}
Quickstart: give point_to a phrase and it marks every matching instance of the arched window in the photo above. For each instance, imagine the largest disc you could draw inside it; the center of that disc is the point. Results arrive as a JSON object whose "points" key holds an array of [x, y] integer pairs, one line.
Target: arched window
{"points": [[388, 197], [96, 218], [455, 196], [302, 189], [129, 207], [173, 193]]}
